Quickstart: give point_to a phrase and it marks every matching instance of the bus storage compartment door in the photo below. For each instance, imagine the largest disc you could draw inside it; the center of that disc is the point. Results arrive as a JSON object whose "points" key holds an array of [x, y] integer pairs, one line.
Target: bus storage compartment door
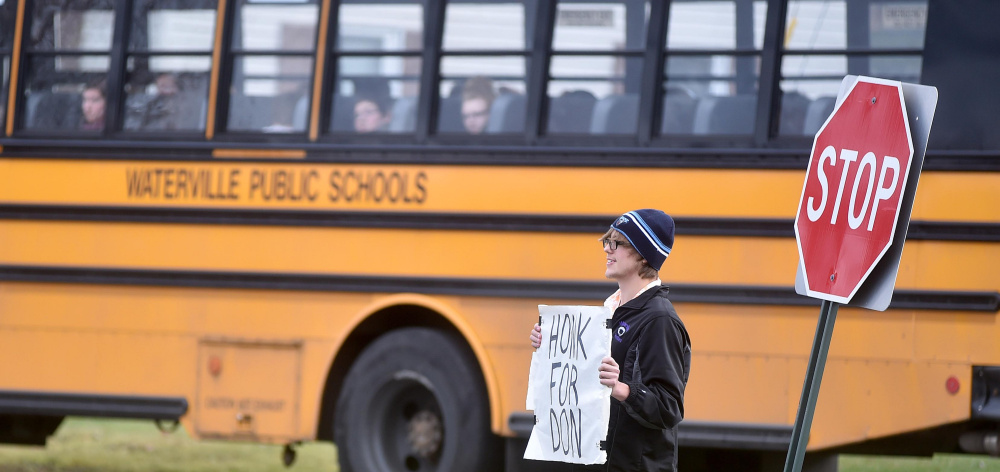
{"points": [[248, 389]]}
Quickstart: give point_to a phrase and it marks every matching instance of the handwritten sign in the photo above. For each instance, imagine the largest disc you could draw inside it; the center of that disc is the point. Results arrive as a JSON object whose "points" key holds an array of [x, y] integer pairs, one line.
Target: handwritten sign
{"points": [[564, 389]]}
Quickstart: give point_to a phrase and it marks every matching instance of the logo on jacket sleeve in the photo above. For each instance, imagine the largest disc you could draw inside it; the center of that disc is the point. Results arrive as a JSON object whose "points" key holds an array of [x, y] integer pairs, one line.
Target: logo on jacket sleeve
{"points": [[621, 330]]}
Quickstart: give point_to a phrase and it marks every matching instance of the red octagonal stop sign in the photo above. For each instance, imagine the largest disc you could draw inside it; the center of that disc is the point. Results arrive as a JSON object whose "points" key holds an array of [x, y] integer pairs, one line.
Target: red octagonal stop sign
{"points": [[852, 193]]}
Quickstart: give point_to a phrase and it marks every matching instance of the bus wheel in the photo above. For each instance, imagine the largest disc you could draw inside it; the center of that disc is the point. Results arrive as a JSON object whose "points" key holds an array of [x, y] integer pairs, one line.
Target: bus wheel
{"points": [[414, 401]]}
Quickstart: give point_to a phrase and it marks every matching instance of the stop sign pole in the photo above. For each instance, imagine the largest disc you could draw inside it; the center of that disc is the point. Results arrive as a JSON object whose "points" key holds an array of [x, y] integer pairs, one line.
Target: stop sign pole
{"points": [[854, 212]]}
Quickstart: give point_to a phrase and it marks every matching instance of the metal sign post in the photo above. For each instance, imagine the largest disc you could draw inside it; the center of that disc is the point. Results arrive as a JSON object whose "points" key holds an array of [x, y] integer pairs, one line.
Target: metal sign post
{"points": [[810, 388]]}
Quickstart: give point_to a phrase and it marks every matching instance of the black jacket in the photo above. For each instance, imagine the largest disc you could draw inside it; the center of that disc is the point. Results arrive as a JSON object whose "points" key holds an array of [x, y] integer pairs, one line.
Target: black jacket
{"points": [[653, 351]]}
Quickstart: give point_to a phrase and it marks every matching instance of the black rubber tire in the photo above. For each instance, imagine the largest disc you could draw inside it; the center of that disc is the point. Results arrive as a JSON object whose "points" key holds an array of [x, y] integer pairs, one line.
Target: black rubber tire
{"points": [[401, 382]]}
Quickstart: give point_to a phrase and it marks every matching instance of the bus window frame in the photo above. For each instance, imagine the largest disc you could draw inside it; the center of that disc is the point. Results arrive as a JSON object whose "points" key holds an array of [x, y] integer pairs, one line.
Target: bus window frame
{"points": [[537, 77], [853, 52], [118, 55], [429, 54], [651, 28], [112, 80], [333, 58], [144, 51], [230, 53]]}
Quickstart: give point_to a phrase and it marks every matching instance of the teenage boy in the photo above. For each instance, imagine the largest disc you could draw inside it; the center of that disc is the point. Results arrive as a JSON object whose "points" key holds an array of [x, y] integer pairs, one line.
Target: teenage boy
{"points": [[650, 348]]}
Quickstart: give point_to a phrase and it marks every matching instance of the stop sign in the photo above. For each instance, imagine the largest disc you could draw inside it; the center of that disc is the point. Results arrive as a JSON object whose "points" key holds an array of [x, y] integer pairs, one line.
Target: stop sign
{"points": [[852, 192]]}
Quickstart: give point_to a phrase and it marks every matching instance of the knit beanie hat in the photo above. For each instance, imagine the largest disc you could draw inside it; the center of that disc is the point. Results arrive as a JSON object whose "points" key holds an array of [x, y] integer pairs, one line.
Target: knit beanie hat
{"points": [[650, 232]]}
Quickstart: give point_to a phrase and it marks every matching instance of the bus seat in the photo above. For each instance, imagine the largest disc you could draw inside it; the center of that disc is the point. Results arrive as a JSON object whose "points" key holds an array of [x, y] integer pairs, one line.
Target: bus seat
{"points": [[725, 115], [300, 113], [571, 112], [239, 112], [250, 112], [817, 113], [793, 113], [193, 107], [260, 111], [507, 114], [53, 110], [30, 105], [342, 113], [450, 114], [678, 113], [282, 119], [616, 114], [404, 115]]}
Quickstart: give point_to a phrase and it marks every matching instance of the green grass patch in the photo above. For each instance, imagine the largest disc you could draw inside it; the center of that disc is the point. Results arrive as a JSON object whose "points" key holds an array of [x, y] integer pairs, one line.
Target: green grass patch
{"points": [[938, 463], [94, 445]]}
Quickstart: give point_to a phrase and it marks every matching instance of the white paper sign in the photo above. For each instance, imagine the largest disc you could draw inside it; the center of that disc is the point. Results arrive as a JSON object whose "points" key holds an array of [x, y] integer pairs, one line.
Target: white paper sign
{"points": [[564, 388]]}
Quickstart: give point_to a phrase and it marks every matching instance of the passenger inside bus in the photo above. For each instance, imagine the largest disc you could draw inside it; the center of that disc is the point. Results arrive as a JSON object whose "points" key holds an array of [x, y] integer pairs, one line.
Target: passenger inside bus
{"points": [[372, 114], [92, 104], [477, 98], [171, 101]]}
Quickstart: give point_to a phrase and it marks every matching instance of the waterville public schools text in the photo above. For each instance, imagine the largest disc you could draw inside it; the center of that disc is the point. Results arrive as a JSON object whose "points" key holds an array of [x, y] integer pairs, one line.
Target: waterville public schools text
{"points": [[277, 185]]}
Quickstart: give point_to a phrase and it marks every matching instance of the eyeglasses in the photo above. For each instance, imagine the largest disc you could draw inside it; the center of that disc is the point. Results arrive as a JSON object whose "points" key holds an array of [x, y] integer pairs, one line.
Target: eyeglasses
{"points": [[475, 114], [613, 243]]}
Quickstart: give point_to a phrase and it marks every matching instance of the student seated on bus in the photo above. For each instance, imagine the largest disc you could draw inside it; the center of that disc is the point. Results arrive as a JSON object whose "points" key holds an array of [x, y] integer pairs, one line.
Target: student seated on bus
{"points": [[161, 112], [372, 114], [92, 103], [477, 98]]}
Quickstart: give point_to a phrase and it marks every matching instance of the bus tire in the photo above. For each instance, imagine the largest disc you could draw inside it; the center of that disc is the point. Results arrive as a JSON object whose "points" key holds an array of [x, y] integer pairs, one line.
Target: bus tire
{"points": [[414, 401]]}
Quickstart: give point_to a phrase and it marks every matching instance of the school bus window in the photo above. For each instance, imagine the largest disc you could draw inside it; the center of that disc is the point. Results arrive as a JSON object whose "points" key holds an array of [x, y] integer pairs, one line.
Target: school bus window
{"points": [[712, 67], [483, 93], [66, 66], [597, 88], [714, 24], [476, 103], [71, 26], [388, 27], [378, 92], [597, 93], [165, 90], [810, 82], [486, 26], [8, 13], [272, 69], [590, 26]]}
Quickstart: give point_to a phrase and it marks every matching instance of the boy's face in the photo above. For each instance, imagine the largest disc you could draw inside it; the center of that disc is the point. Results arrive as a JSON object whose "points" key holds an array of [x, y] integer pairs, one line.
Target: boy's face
{"points": [[367, 117], [93, 106], [475, 115], [622, 262]]}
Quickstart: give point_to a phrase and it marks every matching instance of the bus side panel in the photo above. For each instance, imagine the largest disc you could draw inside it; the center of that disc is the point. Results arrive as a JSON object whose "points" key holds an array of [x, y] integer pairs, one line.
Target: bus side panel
{"points": [[886, 374], [132, 340], [95, 339], [864, 399]]}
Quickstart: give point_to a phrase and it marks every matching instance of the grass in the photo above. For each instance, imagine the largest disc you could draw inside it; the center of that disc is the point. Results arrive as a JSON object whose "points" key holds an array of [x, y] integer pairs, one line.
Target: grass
{"points": [[91, 445], [938, 463]]}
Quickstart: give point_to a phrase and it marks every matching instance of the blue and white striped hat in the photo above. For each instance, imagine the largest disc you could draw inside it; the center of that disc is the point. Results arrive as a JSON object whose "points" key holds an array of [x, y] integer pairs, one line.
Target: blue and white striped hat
{"points": [[650, 232]]}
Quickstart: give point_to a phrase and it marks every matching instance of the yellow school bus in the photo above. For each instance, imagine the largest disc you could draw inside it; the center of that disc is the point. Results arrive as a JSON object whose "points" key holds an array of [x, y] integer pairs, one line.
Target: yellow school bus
{"points": [[290, 221]]}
